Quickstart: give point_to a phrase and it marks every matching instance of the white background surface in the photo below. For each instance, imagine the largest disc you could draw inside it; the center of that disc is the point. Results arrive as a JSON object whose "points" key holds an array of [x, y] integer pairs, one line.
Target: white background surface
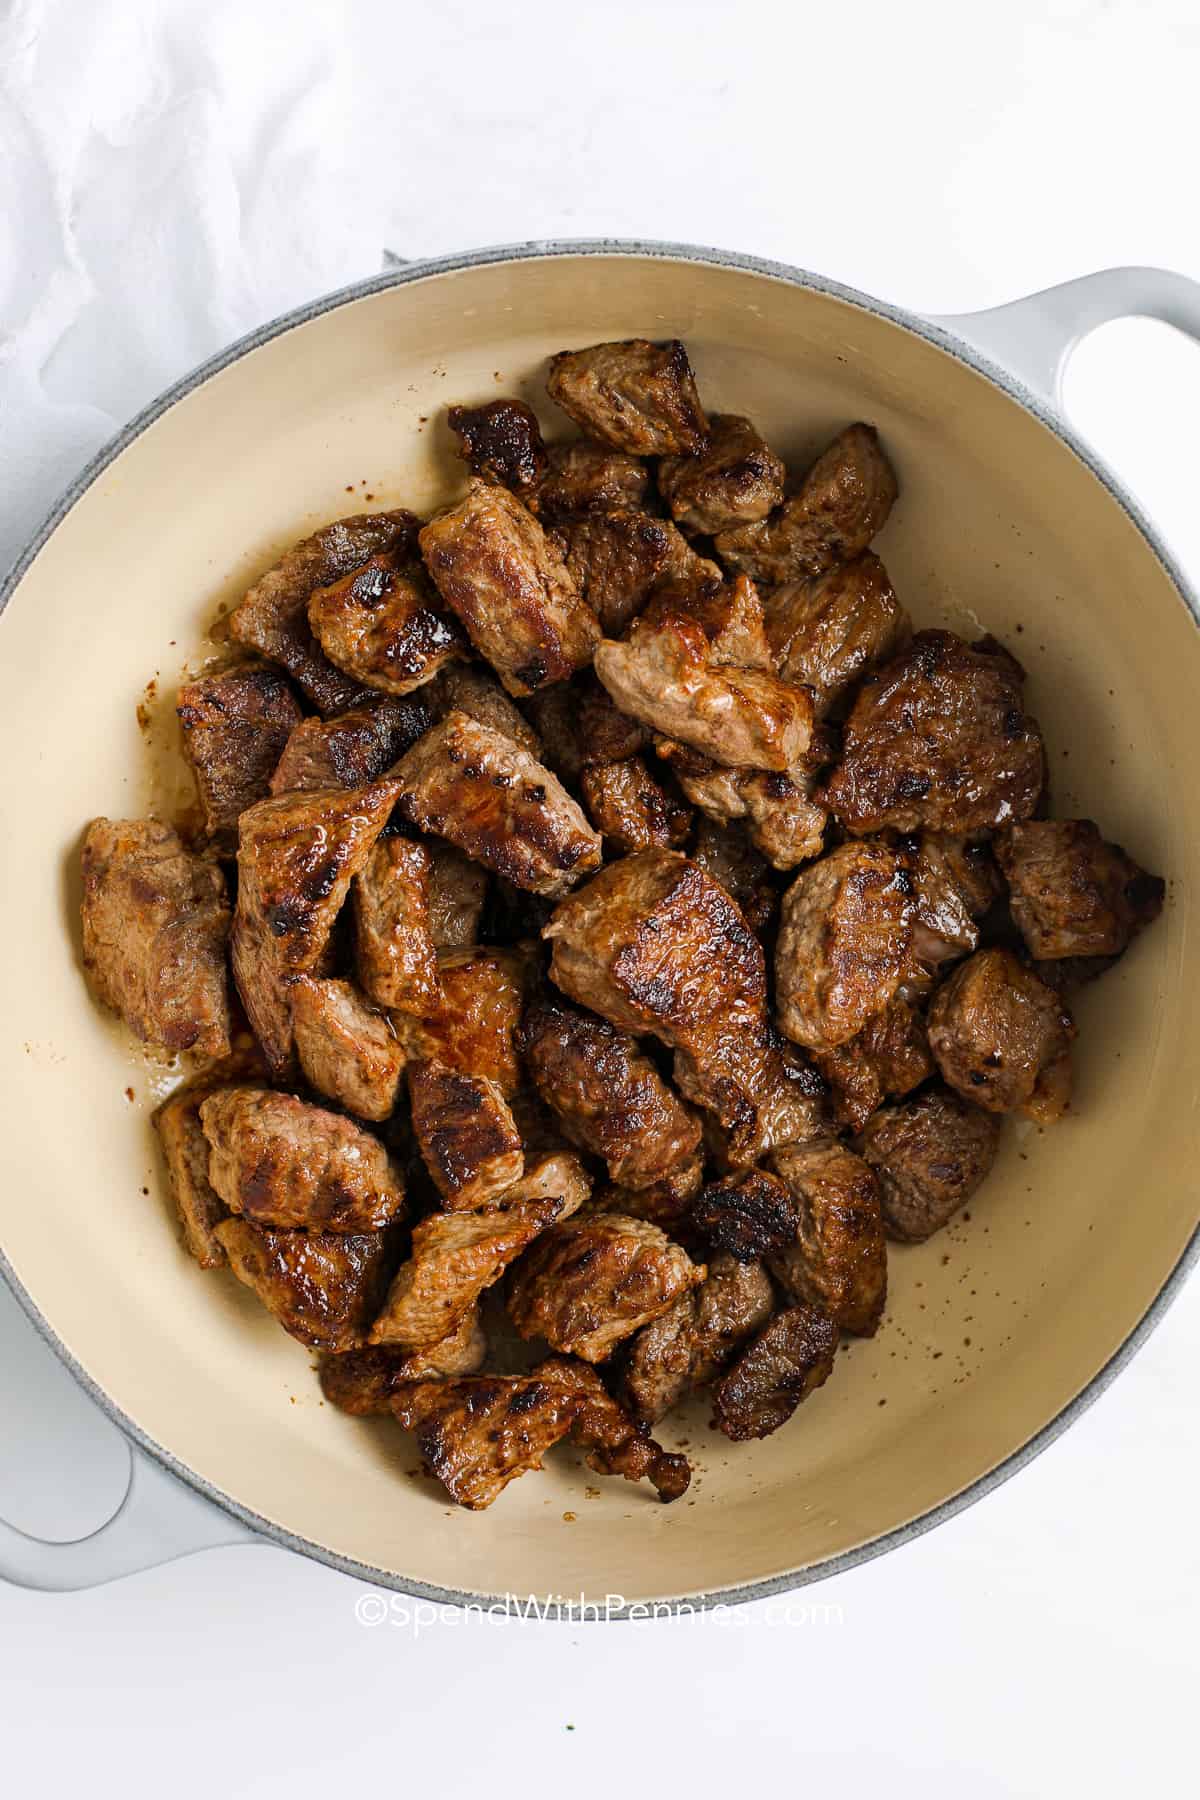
{"points": [[174, 174]]}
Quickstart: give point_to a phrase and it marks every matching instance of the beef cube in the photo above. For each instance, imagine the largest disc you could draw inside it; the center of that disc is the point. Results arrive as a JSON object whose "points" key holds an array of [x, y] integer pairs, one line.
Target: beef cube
{"points": [[480, 1432], [578, 726], [347, 1049], [495, 567], [843, 502], [633, 396], [454, 1257], [748, 1217], [615, 1445], [1071, 893], [630, 809], [323, 1287], [397, 956], [929, 1155], [790, 1358], [782, 819], [887, 1058], [689, 1345], [666, 1202], [844, 940], [362, 1382], [468, 688], [725, 852], [733, 481], [944, 927], [585, 477], [281, 1162], [837, 1259], [475, 1017], [465, 1133], [353, 749], [937, 741], [185, 1152], [273, 617], [830, 631], [614, 558], [155, 924], [235, 725], [384, 625], [482, 792], [1002, 1038], [501, 441]]}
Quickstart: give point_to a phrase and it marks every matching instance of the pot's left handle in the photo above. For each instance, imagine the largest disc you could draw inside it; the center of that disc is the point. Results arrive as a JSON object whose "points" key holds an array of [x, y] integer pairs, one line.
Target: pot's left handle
{"points": [[159, 1520], [1034, 337]]}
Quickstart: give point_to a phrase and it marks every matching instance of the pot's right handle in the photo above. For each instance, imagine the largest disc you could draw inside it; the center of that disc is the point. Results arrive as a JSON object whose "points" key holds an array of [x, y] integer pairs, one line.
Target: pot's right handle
{"points": [[1034, 337]]}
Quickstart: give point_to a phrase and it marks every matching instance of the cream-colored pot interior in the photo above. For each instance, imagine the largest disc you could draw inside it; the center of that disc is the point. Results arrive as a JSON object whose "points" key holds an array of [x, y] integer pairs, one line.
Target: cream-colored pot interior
{"points": [[993, 1327]]}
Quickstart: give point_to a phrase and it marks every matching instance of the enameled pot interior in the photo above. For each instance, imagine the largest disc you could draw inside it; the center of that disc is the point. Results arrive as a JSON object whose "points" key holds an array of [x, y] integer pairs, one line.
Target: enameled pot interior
{"points": [[991, 1328]]}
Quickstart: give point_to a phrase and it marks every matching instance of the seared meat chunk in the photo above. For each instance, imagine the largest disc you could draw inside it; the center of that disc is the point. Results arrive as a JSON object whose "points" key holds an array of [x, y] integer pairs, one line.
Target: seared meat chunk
{"points": [[384, 625], [235, 725], [831, 631], [585, 477], [844, 939], [284, 1163], [615, 1445], [791, 1357], [1002, 1038], [354, 748], [726, 853], [155, 922], [747, 1217], [457, 891], [185, 1152], [888, 1057], [844, 500], [687, 1346], [837, 1259], [273, 617], [614, 558], [501, 442], [480, 1432], [465, 1133], [297, 855], [734, 480], [466, 687], [608, 1096], [323, 1287], [630, 809], [929, 1155], [937, 740], [783, 820], [347, 1048], [579, 725], [397, 956], [362, 1382], [1071, 893], [480, 790], [666, 1202], [454, 1257], [551, 1174], [596, 1279], [474, 1019], [946, 893], [495, 567], [633, 396]]}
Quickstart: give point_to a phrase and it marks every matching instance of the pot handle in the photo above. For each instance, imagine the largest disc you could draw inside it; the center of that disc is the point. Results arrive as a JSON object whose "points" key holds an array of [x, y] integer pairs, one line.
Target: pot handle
{"points": [[1033, 337], [158, 1520]]}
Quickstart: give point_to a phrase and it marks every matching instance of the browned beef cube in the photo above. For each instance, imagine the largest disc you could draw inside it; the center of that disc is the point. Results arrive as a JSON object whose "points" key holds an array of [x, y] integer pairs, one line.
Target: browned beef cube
{"points": [[1071, 893], [482, 792], [479, 1433], [470, 688], [579, 725], [155, 924], [666, 1203], [747, 1217], [475, 1017], [633, 396], [938, 741], [323, 1287], [465, 1133], [930, 1155], [785, 1363], [385, 625], [501, 442], [185, 1152], [844, 500], [235, 725], [781, 817], [1002, 1038], [830, 631], [495, 567], [362, 1382], [354, 748], [587, 1284], [726, 853], [946, 889], [583, 477], [887, 1058], [687, 1346], [397, 956], [614, 558], [630, 809], [734, 480], [454, 1257], [614, 1443], [837, 1259], [347, 1047], [273, 617]]}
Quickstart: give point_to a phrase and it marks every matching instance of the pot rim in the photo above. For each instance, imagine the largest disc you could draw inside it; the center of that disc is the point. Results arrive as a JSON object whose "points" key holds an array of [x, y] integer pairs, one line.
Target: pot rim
{"points": [[944, 340]]}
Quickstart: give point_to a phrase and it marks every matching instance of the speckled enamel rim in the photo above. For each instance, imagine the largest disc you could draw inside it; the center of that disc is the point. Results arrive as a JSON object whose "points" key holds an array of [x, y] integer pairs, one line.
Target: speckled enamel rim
{"points": [[962, 352]]}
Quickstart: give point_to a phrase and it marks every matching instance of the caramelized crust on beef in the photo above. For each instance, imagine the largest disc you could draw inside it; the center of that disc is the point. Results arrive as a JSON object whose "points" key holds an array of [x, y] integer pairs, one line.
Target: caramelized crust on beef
{"points": [[283, 1163], [352, 749], [495, 567], [634, 396], [596, 1279], [734, 480], [1073, 894], [465, 1133], [480, 1432], [666, 1203], [480, 790], [887, 1058], [929, 1155], [614, 558], [844, 939], [347, 1048], [844, 500], [782, 819], [322, 1287], [830, 631], [362, 1382], [687, 1346], [273, 617], [155, 924], [297, 854], [454, 1257], [1002, 1038], [474, 1019], [185, 1152], [615, 1445], [630, 809], [585, 477], [608, 1097], [393, 929], [837, 1259], [501, 442], [785, 1363], [937, 740], [235, 725], [383, 624], [748, 1217], [469, 688]]}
